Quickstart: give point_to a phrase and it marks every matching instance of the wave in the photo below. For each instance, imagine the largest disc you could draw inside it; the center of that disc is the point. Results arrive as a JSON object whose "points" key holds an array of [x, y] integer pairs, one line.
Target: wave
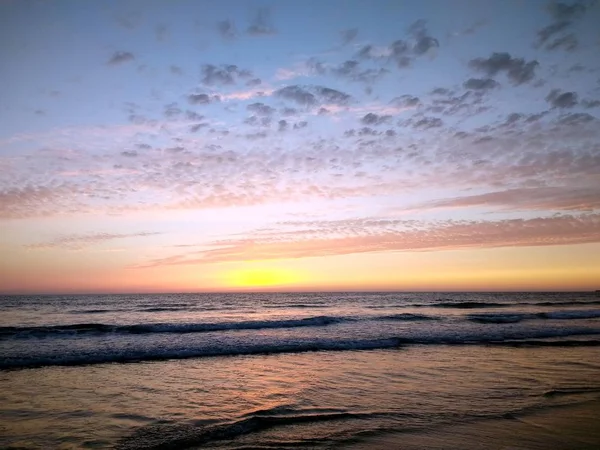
{"points": [[186, 353], [478, 304], [561, 338], [113, 310], [574, 314], [408, 317], [520, 317], [571, 391], [182, 328], [298, 305], [568, 303], [165, 308], [468, 305], [183, 435], [97, 328], [500, 318], [313, 321]]}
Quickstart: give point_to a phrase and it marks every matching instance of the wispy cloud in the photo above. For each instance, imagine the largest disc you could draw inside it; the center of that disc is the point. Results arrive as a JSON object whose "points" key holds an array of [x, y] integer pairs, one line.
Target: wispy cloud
{"points": [[386, 235], [79, 242], [528, 199]]}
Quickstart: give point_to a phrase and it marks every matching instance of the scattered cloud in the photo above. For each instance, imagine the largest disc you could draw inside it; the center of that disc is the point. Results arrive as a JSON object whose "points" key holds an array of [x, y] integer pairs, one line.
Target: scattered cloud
{"points": [[226, 74], [536, 198], [560, 99], [374, 119], [310, 96], [556, 35], [480, 84], [120, 58], [372, 235], [261, 109], [81, 241], [517, 70], [202, 99], [426, 123]]}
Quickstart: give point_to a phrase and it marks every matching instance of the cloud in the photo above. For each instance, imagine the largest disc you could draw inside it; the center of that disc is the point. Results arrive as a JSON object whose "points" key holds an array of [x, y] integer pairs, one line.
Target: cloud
{"points": [[120, 58], [564, 11], [300, 125], [426, 123], [575, 119], [172, 110], [308, 68], [590, 103], [246, 94], [516, 149], [480, 84], [224, 75], [547, 32], [406, 101], [350, 70], [27, 201], [258, 121], [555, 35], [195, 128], [517, 70], [373, 235], [289, 111], [560, 99], [261, 24], [257, 135], [374, 119], [403, 52], [538, 198], [346, 68], [253, 82], [423, 41], [333, 96], [310, 96], [202, 99], [80, 241], [261, 109], [227, 29], [374, 52], [568, 42], [191, 115]]}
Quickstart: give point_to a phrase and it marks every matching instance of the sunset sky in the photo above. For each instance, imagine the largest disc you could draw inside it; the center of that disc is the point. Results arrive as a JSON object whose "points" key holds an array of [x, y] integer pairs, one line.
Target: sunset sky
{"points": [[176, 146]]}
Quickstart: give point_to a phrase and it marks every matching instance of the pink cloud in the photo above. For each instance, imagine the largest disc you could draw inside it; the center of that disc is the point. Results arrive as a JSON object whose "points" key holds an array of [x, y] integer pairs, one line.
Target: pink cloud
{"points": [[390, 236]]}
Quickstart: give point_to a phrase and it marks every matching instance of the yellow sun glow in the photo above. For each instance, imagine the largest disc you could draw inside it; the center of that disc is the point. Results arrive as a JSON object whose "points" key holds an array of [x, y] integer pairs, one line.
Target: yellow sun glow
{"points": [[256, 276]]}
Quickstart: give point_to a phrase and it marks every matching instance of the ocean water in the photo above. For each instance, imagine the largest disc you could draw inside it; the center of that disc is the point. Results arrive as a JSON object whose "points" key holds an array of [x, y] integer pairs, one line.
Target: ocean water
{"points": [[322, 370]]}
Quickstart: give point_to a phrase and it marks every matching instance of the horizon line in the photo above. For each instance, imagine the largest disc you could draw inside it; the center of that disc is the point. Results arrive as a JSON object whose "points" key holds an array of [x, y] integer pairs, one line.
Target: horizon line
{"points": [[335, 291]]}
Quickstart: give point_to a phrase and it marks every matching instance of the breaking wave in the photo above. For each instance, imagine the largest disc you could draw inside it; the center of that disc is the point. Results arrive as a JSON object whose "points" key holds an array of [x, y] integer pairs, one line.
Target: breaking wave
{"points": [[560, 338], [99, 328]]}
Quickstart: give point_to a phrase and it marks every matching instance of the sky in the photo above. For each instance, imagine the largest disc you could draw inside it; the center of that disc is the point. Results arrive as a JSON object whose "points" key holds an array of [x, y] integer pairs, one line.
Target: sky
{"points": [[191, 146]]}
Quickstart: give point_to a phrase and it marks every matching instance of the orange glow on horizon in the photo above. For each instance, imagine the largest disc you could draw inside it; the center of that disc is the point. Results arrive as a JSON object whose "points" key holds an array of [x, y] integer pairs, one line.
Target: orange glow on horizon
{"points": [[257, 274]]}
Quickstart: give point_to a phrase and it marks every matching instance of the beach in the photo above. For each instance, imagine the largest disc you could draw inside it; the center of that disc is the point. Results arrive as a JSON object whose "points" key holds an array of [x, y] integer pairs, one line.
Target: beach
{"points": [[375, 370]]}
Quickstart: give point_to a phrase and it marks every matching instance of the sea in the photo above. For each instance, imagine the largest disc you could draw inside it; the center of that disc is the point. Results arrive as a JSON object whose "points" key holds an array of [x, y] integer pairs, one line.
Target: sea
{"points": [[299, 370]]}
